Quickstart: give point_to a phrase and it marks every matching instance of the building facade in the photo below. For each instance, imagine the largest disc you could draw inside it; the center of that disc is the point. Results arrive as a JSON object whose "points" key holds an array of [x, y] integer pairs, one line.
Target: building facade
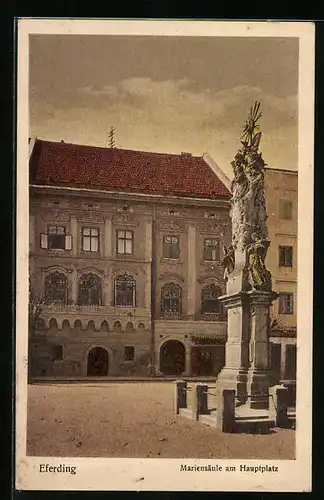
{"points": [[281, 187], [125, 255], [281, 193]]}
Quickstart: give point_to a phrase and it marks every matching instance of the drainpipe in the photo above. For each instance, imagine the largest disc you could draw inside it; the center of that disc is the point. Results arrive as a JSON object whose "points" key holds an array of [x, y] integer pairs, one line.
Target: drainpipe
{"points": [[153, 289]]}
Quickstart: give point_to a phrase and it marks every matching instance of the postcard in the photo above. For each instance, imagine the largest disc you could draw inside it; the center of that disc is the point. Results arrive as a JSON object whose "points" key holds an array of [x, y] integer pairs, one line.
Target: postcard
{"points": [[164, 255]]}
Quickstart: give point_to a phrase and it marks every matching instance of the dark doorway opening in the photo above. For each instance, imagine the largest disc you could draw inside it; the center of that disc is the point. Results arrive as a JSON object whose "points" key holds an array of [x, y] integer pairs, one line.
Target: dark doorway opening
{"points": [[98, 362], [275, 362], [172, 358]]}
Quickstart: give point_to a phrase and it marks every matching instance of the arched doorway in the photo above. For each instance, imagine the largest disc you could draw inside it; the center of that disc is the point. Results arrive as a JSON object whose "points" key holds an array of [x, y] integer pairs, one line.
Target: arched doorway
{"points": [[98, 362], [172, 358]]}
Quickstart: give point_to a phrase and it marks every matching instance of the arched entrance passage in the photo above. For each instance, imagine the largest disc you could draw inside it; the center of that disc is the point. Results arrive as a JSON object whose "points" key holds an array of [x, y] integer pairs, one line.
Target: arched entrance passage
{"points": [[172, 358], [98, 362]]}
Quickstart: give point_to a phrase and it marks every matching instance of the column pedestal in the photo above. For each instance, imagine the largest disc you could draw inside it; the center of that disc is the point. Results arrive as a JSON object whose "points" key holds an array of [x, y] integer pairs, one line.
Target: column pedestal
{"points": [[258, 374], [235, 372], [246, 363]]}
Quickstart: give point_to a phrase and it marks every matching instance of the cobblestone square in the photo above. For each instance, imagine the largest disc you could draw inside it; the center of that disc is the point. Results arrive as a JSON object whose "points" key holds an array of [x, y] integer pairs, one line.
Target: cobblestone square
{"points": [[133, 419]]}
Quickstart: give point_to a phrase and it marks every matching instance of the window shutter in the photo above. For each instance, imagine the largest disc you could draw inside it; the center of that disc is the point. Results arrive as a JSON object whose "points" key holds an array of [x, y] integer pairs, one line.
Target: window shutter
{"points": [[68, 242], [44, 240]]}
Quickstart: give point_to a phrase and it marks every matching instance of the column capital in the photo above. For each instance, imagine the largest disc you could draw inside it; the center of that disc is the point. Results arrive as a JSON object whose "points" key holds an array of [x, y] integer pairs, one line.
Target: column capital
{"points": [[262, 298]]}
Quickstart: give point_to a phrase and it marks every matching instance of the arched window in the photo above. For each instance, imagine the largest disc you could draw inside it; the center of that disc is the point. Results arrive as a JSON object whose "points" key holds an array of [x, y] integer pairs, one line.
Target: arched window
{"points": [[209, 300], [125, 291], [104, 326], [52, 324], [171, 299], [89, 290], [117, 326], [56, 289]]}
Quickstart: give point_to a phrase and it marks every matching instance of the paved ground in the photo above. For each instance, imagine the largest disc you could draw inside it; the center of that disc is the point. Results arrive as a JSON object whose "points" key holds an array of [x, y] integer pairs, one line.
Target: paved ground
{"points": [[133, 420]]}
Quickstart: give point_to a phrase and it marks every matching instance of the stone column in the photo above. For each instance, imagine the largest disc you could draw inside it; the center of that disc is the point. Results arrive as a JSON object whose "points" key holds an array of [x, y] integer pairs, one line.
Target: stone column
{"points": [[283, 362], [148, 260], [187, 361], [148, 241], [74, 287], [107, 238], [107, 290], [191, 272], [74, 235]]}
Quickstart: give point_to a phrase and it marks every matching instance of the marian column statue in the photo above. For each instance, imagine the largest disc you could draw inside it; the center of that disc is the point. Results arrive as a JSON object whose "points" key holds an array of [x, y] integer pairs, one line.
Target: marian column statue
{"points": [[249, 288], [248, 206]]}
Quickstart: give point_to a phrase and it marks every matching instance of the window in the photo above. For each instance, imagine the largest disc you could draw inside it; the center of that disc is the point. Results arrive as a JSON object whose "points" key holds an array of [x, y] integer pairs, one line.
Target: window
{"points": [[56, 288], [209, 300], [286, 304], [90, 239], [129, 353], [171, 298], [125, 242], [57, 352], [211, 249], [171, 249], [89, 290], [125, 288], [286, 209], [285, 256], [56, 239]]}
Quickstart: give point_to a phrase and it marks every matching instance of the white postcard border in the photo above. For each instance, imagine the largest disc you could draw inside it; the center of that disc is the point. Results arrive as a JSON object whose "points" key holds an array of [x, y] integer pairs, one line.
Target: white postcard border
{"points": [[165, 474]]}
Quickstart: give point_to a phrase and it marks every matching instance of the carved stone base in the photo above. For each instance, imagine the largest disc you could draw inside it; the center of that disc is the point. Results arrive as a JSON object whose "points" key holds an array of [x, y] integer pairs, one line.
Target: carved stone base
{"points": [[258, 388], [236, 379]]}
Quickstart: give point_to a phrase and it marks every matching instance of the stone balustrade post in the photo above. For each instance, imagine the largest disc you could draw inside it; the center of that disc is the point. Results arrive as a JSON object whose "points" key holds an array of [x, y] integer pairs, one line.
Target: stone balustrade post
{"points": [[278, 405], [181, 395], [225, 414], [201, 399]]}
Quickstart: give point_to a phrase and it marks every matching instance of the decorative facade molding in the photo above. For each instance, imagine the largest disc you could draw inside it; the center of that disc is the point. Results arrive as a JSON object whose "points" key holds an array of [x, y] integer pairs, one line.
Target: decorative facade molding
{"points": [[218, 228], [91, 216], [211, 280], [56, 215], [171, 276], [171, 226], [53, 269], [90, 270], [173, 263], [125, 220], [124, 270]]}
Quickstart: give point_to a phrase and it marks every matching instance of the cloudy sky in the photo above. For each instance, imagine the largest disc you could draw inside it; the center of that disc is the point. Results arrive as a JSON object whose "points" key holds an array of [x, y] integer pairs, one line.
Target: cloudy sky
{"points": [[165, 94]]}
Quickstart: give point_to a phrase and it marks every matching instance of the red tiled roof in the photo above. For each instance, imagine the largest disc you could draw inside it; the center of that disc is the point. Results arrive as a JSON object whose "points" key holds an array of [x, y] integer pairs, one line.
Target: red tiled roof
{"points": [[63, 164]]}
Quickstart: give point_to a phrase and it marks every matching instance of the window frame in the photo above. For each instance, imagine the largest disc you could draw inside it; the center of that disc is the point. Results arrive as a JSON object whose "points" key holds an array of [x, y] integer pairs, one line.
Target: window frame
{"points": [[204, 300], [282, 209], [124, 240], [286, 310], [126, 358], [171, 311], [61, 351], [51, 300], [45, 239], [125, 279], [91, 237], [165, 245], [283, 263], [81, 279], [217, 248]]}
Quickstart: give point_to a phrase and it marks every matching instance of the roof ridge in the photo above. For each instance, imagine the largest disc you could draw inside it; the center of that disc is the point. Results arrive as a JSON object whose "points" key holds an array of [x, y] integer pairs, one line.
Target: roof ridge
{"points": [[181, 155]]}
